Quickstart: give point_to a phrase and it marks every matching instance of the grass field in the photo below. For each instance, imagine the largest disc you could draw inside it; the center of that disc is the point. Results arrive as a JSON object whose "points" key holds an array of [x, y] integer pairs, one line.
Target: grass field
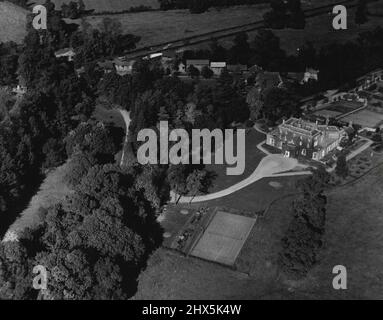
{"points": [[161, 26], [51, 191], [319, 30], [111, 116], [13, 21]]}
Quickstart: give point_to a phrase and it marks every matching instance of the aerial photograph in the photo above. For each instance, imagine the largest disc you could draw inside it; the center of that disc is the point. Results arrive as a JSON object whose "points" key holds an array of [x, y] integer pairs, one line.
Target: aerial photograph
{"points": [[190, 156]]}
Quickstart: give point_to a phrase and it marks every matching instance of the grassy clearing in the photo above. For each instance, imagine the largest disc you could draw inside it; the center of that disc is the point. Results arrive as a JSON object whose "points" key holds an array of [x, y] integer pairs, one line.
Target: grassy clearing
{"points": [[13, 21], [161, 26], [51, 192], [109, 116]]}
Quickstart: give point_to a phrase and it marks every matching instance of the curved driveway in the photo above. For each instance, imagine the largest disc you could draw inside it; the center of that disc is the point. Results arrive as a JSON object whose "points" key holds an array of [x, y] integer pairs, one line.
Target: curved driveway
{"points": [[270, 165]]}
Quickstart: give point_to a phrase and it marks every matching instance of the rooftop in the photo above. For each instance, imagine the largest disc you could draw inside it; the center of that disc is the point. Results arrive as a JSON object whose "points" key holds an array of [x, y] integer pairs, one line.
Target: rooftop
{"points": [[301, 126], [197, 62]]}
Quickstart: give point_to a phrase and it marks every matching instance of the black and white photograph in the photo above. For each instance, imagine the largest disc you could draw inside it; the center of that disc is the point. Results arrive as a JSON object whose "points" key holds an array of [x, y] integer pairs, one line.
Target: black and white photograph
{"points": [[187, 156]]}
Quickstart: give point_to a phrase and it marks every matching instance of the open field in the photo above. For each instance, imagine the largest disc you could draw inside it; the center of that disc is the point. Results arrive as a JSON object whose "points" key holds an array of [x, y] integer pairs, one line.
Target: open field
{"points": [[13, 21], [319, 30], [51, 192], [107, 5], [161, 26], [167, 26]]}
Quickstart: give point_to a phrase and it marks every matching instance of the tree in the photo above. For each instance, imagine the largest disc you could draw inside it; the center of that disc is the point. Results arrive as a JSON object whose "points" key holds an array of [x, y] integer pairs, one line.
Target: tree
{"points": [[255, 101], [278, 103], [341, 168], [295, 17], [361, 12], [303, 239], [276, 17], [197, 181], [198, 6], [177, 175], [193, 71], [78, 166], [93, 138], [240, 52], [6, 102], [15, 272], [93, 244], [267, 51], [206, 72]]}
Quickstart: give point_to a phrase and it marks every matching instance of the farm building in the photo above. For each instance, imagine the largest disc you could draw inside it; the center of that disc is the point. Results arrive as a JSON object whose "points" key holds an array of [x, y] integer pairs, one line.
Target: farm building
{"points": [[217, 67], [300, 138], [199, 64]]}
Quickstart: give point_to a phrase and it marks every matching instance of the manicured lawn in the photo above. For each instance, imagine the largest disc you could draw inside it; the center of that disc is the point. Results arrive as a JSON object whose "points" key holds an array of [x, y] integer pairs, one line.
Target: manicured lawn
{"points": [[257, 196], [171, 276], [252, 157]]}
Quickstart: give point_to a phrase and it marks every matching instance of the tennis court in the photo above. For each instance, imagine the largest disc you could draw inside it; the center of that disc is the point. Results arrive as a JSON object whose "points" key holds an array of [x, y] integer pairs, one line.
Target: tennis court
{"points": [[224, 237]]}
